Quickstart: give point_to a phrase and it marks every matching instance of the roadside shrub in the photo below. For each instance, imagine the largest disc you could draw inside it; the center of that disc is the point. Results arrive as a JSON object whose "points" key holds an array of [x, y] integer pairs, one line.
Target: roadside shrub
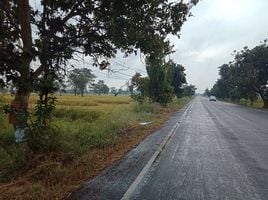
{"points": [[243, 101]]}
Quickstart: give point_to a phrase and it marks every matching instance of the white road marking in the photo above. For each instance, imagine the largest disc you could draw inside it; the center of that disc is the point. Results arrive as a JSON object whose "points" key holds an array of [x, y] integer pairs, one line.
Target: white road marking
{"points": [[138, 179]]}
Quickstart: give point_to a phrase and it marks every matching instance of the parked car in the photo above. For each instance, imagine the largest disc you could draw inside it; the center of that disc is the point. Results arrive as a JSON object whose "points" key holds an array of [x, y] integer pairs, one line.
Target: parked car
{"points": [[212, 98]]}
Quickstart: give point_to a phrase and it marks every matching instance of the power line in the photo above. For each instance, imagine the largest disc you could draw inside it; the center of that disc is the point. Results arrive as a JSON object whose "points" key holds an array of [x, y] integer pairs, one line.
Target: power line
{"points": [[121, 63], [115, 72]]}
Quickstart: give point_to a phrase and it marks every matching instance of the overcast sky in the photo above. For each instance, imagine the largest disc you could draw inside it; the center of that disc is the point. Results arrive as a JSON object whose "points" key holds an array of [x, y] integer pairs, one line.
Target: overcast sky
{"points": [[207, 40]]}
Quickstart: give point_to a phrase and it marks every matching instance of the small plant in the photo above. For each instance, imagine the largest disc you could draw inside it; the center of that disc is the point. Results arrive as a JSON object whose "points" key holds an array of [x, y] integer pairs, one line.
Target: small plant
{"points": [[43, 132]]}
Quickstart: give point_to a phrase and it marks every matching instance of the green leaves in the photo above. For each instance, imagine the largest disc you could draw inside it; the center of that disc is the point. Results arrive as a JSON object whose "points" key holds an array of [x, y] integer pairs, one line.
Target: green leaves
{"points": [[246, 77], [96, 28], [100, 88], [165, 79], [79, 78]]}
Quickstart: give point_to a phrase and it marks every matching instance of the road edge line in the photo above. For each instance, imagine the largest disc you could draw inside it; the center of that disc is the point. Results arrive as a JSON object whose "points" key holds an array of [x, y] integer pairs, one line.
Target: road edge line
{"points": [[160, 148]]}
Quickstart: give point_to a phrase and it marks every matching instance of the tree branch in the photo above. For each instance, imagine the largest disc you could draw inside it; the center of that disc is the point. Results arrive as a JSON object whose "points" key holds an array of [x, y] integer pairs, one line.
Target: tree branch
{"points": [[37, 72], [24, 19]]}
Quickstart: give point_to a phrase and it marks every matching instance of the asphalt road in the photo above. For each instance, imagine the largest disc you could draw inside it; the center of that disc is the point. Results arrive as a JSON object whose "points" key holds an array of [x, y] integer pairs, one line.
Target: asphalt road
{"points": [[219, 151]]}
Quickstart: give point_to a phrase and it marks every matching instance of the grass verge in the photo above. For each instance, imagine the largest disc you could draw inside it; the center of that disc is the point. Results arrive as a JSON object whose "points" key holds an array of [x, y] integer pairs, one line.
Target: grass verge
{"points": [[256, 104]]}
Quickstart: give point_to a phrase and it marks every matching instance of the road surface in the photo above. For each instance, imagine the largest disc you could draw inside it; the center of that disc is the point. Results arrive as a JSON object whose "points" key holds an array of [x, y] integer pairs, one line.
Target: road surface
{"points": [[219, 151]]}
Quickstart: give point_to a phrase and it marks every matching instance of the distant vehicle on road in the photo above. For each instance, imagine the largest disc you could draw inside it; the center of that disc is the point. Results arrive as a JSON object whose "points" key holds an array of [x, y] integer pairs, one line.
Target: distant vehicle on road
{"points": [[212, 98]]}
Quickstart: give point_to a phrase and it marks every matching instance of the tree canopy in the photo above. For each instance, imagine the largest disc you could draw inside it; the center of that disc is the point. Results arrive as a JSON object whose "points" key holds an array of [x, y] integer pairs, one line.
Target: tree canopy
{"points": [[40, 39], [80, 78], [54, 31], [165, 79], [100, 88], [246, 76], [176, 77]]}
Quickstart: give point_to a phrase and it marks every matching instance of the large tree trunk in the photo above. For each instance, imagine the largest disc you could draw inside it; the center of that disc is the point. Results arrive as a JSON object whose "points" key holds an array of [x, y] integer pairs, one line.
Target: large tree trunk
{"points": [[24, 87], [19, 109]]}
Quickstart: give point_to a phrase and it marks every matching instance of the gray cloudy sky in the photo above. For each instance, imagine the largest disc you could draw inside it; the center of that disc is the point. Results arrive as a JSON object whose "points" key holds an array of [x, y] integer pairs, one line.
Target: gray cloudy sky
{"points": [[207, 40]]}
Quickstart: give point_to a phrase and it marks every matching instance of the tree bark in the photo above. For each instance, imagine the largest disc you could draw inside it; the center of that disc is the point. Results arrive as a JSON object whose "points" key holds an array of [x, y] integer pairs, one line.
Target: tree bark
{"points": [[24, 86]]}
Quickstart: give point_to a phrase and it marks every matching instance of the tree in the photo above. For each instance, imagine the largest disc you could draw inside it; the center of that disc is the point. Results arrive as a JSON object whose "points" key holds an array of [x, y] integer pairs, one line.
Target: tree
{"points": [[189, 90], [255, 74], [159, 87], [176, 77], [61, 86], [100, 88], [165, 79], [113, 90], [105, 89], [140, 84], [80, 78], [57, 30], [245, 77], [207, 92]]}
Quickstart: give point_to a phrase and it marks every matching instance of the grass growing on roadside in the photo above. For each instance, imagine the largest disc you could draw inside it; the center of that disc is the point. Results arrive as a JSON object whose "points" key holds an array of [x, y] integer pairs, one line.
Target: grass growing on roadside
{"points": [[93, 131], [256, 104]]}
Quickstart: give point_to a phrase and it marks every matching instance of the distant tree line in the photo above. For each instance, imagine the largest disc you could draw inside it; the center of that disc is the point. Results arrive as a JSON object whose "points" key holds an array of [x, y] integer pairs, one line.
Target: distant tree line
{"points": [[82, 81], [245, 77]]}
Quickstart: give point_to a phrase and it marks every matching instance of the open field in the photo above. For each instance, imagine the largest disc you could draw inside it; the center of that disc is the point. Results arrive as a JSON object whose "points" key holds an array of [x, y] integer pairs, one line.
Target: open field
{"points": [[92, 132]]}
